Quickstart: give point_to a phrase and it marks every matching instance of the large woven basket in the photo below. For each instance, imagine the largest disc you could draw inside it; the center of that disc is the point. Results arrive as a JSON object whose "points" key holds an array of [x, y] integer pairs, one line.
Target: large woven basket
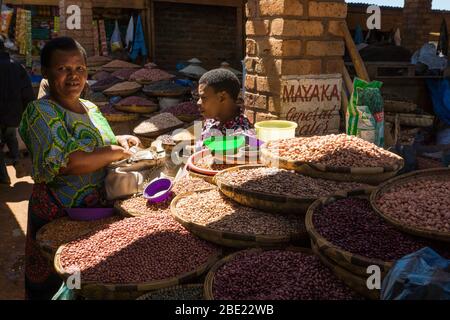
{"points": [[354, 263], [355, 282], [233, 239], [368, 175], [156, 134], [153, 295], [205, 177], [137, 109], [266, 201], [209, 280], [49, 248], [440, 173], [98, 291], [120, 117], [188, 118], [122, 93]]}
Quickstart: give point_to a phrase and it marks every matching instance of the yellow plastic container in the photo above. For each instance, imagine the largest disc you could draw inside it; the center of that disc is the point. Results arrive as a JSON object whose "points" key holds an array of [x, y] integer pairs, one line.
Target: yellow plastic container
{"points": [[275, 129]]}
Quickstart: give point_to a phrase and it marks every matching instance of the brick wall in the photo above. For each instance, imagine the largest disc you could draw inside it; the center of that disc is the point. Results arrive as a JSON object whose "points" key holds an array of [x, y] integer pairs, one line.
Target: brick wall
{"points": [[416, 23], [289, 37], [184, 31], [85, 35]]}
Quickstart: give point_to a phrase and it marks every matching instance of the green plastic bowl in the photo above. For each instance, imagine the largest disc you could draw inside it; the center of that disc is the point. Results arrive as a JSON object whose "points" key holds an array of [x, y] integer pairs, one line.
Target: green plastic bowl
{"points": [[224, 144]]}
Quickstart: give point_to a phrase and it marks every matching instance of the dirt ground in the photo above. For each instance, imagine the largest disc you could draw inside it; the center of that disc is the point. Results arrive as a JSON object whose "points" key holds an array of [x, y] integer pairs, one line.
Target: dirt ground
{"points": [[13, 221]]}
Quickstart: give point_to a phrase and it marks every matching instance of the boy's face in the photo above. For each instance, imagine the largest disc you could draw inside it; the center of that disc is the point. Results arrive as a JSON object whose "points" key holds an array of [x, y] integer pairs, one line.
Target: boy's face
{"points": [[210, 102]]}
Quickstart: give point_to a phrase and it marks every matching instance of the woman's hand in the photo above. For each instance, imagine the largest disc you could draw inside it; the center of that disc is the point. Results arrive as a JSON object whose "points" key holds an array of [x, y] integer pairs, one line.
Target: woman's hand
{"points": [[81, 162], [127, 141], [120, 153]]}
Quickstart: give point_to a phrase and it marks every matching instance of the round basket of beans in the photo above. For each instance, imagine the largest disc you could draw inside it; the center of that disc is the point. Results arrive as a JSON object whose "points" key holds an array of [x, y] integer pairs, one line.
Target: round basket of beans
{"points": [[417, 203], [278, 190], [348, 232], [214, 217], [258, 274], [135, 255], [138, 205], [335, 157]]}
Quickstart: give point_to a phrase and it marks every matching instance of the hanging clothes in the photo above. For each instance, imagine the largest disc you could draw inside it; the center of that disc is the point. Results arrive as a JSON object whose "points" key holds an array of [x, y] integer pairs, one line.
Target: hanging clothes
{"points": [[130, 34], [398, 37], [359, 37], [139, 47]]}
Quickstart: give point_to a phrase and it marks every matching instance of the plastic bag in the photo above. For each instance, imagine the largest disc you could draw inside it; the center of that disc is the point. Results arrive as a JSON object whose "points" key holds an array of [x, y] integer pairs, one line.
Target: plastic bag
{"points": [[440, 95], [130, 33], [422, 275], [7, 14], [64, 293], [116, 39], [365, 113]]}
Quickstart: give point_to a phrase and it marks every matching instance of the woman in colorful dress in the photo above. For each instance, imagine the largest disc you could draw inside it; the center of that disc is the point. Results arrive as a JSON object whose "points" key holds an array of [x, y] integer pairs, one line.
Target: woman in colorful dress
{"points": [[70, 144]]}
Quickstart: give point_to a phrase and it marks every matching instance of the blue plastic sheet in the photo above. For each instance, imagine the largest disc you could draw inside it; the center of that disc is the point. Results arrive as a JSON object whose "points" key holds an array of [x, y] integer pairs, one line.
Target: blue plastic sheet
{"points": [[422, 275], [440, 95]]}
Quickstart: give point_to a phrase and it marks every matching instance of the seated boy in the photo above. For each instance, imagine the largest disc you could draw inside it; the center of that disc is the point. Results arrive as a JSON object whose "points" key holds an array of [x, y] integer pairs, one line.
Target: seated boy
{"points": [[218, 90]]}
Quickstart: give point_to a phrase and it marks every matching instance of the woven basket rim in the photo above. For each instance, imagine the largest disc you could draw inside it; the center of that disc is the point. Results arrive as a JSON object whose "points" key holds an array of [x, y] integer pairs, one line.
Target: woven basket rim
{"points": [[137, 109], [179, 286], [341, 273], [160, 132], [209, 280], [276, 197], [315, 235], [386, 186], [145, 286], [268, 156], [121, 92], [111, 117], [267, 239]]}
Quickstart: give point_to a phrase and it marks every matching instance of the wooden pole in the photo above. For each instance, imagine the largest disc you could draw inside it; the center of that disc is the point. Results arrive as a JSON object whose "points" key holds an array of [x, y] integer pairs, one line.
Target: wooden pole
{"points": [[347, 80], [360, 68]]}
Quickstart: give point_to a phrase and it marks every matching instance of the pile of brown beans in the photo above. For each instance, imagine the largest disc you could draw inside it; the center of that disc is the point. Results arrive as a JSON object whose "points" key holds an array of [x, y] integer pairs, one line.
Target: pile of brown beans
{"points": [[334, 150], [137, 250], [423, 203], [124, 74], [101, 75], [109, 109], [151, 75], [127, 85], [352, 225], [157, 123], [105, 83], [278, 275], [188, 184], [64, 230], [184, 108], [120, 64], [136, 101], [141, 205], [214, 210], [164, 87], [285, 183]]}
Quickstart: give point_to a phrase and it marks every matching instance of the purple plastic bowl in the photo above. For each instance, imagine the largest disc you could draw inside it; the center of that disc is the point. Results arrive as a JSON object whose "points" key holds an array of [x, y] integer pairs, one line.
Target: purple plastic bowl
{"points": [[86, 214], [158, 190]]}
